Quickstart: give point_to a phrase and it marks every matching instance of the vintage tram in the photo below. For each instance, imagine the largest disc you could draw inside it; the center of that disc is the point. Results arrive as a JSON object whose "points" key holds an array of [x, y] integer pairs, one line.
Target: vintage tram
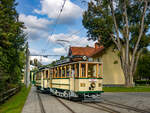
{"points": [[72, 80]]}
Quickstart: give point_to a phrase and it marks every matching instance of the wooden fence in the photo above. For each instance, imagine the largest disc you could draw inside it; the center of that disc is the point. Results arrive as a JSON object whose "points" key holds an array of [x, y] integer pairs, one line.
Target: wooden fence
{"points": [[6, 95]]}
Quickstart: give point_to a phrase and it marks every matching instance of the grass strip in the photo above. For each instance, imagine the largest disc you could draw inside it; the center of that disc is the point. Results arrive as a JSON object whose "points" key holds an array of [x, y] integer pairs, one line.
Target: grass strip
{"points": [[16, 102], [125, 89]]}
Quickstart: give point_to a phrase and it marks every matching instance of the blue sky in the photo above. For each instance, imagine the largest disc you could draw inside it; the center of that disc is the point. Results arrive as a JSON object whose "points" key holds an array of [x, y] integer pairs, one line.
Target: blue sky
{"points": [[40, 17]]}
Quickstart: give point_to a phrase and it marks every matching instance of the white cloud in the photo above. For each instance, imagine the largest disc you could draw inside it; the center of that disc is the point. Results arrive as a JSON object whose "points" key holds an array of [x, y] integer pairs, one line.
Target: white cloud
{"points": [[34, 22], [68, 40], [65, 40], [52, 8], [60, 51], [42, 59], [35, 27], [34, 51]]}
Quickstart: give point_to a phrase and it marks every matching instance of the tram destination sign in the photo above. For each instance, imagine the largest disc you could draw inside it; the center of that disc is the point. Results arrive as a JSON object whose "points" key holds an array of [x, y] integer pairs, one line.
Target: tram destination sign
{"points": [[92, 80]]}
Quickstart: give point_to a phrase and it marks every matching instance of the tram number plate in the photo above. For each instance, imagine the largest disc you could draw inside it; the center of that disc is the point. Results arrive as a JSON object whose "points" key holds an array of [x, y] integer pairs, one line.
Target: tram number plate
{"points": [[92, 80]]}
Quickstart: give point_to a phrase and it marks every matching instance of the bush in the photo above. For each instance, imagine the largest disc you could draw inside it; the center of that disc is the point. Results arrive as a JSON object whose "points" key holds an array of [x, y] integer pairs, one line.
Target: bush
{"points": [[142, 82]]}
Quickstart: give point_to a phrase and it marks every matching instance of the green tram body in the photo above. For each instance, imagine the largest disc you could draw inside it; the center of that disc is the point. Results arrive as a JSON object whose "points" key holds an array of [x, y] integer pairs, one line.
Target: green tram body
{"points": [[80, 79]]}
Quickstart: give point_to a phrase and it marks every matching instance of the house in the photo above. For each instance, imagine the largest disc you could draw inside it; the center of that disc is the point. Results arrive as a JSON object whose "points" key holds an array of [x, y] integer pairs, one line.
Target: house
{"points": [[112, 71]]}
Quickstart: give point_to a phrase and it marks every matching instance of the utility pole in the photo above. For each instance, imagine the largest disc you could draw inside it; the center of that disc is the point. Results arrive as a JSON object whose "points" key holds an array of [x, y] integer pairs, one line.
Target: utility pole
{"points": [[27, 67]]}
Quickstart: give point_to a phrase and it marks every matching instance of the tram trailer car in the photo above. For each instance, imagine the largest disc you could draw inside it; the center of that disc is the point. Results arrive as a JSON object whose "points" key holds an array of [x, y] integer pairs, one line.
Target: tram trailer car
{"points": [[42, 79], [76, 80]]}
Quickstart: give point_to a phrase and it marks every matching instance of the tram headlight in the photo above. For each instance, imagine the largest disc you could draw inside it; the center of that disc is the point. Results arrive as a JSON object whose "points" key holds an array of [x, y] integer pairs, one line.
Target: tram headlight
{"points": [[84, 57], [93, 85]]}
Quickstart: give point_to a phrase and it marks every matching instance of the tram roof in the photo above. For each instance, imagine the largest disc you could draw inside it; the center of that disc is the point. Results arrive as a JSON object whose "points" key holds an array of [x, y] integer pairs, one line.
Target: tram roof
{"points": [[77, 63]]}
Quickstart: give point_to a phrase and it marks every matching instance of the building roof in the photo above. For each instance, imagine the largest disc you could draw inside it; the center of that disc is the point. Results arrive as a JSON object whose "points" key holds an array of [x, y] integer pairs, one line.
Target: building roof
{"points": [[99, 50], [85, 51]]}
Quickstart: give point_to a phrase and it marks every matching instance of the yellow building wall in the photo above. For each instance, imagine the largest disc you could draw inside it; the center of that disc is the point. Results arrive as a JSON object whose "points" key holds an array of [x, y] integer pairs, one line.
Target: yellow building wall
{"points": [[112, 73]]}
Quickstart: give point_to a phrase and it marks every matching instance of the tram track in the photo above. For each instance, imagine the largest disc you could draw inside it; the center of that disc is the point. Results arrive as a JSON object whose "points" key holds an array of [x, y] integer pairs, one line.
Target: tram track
{"points": [[41, 104], [106, 105], [98, 107], [65, 105], [118, 105], [101, 108]]}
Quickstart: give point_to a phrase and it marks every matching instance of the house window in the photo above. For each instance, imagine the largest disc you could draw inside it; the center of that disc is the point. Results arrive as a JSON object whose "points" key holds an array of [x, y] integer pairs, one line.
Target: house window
{"points": [[98, 59]]}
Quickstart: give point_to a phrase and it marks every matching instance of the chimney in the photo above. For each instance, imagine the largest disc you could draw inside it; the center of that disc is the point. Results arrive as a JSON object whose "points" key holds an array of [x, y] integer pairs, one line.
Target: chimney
{"points": [[97, 45]]}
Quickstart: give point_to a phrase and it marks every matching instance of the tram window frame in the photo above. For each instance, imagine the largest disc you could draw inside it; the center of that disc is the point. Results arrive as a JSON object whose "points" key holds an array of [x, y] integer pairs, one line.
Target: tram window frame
{"points": [[100, 72]]}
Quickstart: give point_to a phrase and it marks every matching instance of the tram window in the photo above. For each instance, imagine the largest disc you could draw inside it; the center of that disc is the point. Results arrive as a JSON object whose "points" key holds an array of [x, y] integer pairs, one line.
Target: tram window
{"points": [[99, 70], [43, 74], [63, 72], [59, 72], [67, 70], [83, 70], [92, 70], [73, 70], [56, 73], [77, 75], [46, 73]]}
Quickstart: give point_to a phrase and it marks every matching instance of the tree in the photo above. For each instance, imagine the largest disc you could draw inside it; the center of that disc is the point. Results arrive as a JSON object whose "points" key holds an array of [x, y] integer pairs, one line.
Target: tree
{"points": [[143, 67], [124, 23], [12, 39], [62, 58]]}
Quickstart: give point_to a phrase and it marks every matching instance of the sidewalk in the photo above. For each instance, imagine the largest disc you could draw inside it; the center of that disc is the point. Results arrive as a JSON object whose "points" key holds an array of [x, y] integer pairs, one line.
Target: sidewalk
{"points": [[32, 102]]}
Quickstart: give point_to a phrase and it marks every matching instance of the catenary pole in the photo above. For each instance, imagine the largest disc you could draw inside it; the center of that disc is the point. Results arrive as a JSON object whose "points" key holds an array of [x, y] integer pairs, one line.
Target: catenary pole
{"points": [[27, 67]]}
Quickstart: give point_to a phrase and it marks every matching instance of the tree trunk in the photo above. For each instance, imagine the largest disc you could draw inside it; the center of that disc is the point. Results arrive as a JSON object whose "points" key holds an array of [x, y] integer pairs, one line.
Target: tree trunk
{"points": [[129, 81], [128, 77]]}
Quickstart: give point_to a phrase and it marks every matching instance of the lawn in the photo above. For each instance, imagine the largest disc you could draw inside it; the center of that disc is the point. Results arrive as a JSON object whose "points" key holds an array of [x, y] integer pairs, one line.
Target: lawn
{"points": [[124, 89], [15, 103]]}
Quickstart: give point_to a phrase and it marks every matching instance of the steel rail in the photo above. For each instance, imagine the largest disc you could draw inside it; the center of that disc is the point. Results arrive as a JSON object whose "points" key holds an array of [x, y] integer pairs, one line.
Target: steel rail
{"points": [[124, 106], [103, 108], [41, 104], [71, 110]]}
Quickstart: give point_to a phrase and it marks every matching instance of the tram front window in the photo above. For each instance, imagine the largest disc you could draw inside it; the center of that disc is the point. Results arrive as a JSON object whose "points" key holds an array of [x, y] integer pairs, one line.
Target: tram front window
{"points": [[91, 70], [46, 73]]}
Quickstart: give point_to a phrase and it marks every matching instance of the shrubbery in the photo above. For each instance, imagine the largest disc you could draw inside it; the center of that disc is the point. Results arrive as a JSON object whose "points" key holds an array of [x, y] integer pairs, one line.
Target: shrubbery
{"points": [[12, 39]]}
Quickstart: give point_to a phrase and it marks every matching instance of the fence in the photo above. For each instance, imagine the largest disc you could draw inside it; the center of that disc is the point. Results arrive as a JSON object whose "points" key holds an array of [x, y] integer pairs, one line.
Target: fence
{"points": [[6, 95]]}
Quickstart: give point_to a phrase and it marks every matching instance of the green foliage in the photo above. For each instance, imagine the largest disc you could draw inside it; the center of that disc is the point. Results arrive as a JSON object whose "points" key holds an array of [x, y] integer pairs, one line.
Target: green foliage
{"points": [[62, 58], [12, 41], [98, 20], [116, 62], [16, 103], [142, 82], [143, 68]]}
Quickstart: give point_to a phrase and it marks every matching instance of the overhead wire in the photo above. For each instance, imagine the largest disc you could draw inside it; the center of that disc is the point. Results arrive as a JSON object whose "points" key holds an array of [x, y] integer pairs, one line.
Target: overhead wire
{"points": [[56, 22], [78, 31]]}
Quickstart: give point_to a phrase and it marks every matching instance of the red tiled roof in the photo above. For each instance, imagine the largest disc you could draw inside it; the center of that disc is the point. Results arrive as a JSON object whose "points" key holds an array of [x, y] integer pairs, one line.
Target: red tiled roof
{"points": [[85, 51], [100, 49]]}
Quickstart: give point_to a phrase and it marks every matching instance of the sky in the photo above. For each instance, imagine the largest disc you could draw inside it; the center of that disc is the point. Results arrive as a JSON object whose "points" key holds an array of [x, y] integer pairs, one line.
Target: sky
{"points": [[44, 35]]}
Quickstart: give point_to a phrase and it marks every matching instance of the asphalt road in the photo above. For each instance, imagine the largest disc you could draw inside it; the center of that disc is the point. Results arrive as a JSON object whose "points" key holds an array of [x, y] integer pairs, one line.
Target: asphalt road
{"points": [[52, 104]]}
